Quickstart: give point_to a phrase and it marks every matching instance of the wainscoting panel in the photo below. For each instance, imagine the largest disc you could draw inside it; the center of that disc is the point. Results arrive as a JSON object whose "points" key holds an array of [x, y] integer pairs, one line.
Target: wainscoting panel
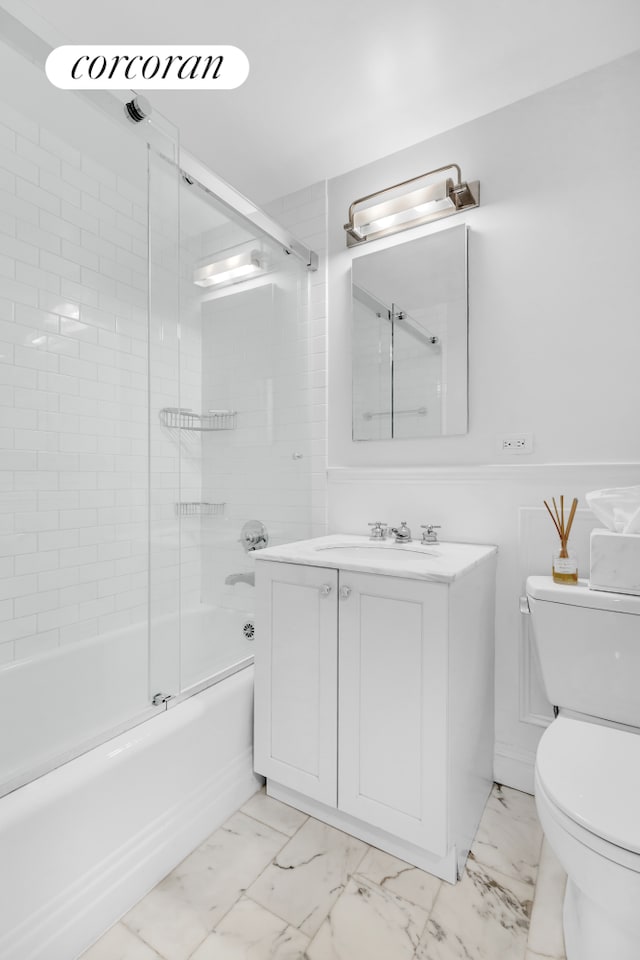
{"points": [[500, 504]]}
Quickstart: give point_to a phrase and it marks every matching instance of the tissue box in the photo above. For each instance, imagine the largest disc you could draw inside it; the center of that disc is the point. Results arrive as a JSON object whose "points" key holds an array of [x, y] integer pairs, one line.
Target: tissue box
{"points": [[615, 562]]}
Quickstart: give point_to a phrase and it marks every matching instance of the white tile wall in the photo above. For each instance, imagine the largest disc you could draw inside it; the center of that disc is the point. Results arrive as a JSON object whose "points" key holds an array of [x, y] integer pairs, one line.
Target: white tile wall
{"points": [[305, 214], [176, 370], [73, 385], [75, 424]]}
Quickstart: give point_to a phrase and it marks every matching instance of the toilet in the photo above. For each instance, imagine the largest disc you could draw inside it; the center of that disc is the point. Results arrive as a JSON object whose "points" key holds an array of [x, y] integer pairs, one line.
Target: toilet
{"points": [[587, 775]]}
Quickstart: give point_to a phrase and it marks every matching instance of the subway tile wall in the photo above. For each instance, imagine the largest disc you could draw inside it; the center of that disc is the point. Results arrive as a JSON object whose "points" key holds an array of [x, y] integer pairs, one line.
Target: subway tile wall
{"points": [[305, 214], [76, 426], [175, 382], [73, 392]]}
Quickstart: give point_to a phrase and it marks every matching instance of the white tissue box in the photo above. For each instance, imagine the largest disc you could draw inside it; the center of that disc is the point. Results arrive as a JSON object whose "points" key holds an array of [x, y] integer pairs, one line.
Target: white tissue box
{"points": [[615, 562]]}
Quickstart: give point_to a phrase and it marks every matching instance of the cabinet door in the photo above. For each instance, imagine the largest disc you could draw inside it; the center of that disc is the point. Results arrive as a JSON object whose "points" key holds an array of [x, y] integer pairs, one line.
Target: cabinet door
{"points": [[296, 678], [392, 706]]}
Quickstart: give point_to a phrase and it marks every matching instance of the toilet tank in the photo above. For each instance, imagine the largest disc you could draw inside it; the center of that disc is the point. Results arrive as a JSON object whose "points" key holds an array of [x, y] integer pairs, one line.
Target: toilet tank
{"points": [[588, 645]]}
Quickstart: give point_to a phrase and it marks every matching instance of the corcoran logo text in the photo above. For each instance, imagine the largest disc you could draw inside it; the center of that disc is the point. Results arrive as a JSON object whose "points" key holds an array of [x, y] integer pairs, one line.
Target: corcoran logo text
{"points": [[95, 67]]}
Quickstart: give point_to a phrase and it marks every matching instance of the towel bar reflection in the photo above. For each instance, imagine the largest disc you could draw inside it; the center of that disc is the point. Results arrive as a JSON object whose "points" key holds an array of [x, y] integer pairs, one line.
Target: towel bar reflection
{"points": [[419, 411]]}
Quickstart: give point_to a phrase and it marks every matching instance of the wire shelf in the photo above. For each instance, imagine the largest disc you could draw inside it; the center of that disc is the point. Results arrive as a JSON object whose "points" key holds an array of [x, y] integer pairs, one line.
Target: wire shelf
{"points": [[182, 418], [195, 508]]}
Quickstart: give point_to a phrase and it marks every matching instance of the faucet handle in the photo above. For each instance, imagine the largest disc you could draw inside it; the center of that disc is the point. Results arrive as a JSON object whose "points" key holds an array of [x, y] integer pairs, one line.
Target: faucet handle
{"points": [[378, 531], [430, 535]]}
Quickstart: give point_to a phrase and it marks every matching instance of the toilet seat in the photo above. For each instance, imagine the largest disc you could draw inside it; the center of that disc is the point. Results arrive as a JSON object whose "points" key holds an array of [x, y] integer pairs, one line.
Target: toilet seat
{"points": [[589, 776]]}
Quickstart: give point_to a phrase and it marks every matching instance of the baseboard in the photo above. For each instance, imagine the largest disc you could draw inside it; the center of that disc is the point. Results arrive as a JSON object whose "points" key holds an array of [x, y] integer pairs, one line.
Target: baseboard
{"points": [[69, 923], [514, 768]]}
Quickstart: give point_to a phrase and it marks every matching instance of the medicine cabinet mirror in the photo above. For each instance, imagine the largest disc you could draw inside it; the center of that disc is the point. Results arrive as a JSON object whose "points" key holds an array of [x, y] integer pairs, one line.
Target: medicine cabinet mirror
{"points": [[409, 338]]}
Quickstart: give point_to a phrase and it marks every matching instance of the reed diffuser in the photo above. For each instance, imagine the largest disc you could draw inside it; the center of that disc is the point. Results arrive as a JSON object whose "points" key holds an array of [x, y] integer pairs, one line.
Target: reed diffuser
{"points": [[564, 565]]}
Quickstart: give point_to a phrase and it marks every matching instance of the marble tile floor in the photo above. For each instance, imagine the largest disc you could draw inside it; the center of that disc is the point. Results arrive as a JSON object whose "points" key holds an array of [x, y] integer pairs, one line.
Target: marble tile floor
{"points": [[274, 884]]}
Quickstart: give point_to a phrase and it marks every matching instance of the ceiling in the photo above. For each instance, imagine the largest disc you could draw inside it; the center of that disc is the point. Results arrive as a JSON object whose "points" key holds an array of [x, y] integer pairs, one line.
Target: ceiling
{"points": [[335, 84]]}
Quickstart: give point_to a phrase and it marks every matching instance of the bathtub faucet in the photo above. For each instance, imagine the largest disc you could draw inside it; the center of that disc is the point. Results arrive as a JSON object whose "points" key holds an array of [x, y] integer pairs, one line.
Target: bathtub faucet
{"points": [[249, 578]]}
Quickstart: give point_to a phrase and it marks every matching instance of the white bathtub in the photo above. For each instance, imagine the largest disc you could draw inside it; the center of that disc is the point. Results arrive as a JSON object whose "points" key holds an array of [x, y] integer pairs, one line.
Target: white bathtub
{"points": [[61, 703], [82, 843], [79, 846]]}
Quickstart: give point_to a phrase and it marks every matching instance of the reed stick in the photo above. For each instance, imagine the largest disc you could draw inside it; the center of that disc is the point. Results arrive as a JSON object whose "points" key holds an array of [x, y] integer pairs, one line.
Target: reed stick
{"points": [[558, 521], [553, 518], [572, 514]]}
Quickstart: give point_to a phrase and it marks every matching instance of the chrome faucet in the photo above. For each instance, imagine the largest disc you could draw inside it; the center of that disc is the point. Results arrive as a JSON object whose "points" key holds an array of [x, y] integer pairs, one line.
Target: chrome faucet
{"points": [[234, 578], [378, 530], [403, 534], [430, 535]]}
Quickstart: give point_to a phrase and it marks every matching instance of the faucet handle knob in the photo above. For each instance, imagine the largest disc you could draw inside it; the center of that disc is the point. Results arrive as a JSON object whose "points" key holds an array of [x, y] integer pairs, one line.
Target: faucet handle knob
{"points": [[378, 530], [430, 535]]}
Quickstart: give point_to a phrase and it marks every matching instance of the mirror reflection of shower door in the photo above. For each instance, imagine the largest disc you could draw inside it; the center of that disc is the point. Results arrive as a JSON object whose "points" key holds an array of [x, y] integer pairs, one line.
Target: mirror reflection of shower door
{"points": [[372, 366], [397, 372], [416, 397], [409, 338]]}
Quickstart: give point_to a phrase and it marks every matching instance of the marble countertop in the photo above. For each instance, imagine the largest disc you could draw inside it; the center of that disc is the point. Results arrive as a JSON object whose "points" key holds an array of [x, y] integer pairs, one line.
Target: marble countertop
{"points": [[442, 562]]}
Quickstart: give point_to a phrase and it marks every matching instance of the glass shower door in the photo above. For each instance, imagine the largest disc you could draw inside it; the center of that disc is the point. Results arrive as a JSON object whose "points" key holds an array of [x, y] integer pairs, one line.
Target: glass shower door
{"points": [[239, 431], [74, 379]]}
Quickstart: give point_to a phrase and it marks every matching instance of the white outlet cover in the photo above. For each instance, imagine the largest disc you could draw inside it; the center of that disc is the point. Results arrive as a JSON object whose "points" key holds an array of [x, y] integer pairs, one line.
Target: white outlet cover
{"points": [[515, 444]]}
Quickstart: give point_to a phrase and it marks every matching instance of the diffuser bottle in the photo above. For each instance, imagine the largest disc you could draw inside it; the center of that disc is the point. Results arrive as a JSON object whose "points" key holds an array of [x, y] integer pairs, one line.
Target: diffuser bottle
{"points": [[564, 564]]}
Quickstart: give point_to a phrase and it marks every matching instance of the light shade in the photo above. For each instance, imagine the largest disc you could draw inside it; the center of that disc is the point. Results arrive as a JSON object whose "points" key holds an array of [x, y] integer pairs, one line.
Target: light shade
{"points": [[411, 206], [235, 267]]}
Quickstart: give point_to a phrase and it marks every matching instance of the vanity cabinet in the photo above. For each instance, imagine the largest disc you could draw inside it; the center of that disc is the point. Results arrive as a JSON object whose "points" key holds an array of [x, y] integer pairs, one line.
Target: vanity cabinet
{"points": [[373, 701], [296, 693]]}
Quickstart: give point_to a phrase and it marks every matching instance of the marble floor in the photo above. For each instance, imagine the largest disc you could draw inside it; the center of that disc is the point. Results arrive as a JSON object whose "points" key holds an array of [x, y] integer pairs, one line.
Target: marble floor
{"points": [[274, 884]]}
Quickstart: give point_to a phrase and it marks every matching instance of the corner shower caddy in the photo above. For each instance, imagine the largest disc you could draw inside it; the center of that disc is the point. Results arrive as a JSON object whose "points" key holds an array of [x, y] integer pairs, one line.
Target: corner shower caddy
{"points": [[183, 418]]}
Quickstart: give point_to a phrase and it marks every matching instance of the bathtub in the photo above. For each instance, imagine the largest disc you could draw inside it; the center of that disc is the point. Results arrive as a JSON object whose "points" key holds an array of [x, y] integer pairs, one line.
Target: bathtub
{"points": [[65, 702], [82, 843]]}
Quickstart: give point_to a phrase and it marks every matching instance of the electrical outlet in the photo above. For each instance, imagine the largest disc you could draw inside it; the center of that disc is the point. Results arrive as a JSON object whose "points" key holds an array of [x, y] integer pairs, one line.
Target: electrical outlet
{"points": [[516, 443]]}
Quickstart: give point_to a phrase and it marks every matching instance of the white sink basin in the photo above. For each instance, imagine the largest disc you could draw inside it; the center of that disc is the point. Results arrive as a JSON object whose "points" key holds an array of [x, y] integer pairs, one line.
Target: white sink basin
{"points": [[443, 561], [412, 547]]}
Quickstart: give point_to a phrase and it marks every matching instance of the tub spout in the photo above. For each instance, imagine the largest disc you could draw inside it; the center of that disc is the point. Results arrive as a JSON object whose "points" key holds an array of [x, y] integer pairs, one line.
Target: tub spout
{"points": [[249, 578]]}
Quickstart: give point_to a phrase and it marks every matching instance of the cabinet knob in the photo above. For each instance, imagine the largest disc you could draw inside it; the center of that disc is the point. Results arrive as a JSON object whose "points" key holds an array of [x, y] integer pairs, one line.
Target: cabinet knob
{"points": [[325, 589], [345, 593]]}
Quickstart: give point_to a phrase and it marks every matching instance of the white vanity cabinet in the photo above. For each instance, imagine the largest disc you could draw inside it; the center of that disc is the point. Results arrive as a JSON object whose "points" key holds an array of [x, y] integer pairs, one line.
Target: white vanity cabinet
{"points": [[374, 693], [296, 695]]}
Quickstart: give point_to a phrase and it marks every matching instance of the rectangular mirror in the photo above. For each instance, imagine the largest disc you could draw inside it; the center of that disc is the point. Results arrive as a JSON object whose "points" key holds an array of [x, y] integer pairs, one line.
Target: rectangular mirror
{"points": [[409, 338]]}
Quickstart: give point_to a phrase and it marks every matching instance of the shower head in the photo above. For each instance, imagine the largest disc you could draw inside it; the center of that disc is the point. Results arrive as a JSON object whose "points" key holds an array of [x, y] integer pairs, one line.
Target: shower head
{"points": [[138, 109]]}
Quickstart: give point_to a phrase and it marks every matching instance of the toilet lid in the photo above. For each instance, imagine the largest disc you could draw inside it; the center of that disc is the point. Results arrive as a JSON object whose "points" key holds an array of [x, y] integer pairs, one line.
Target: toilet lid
{"points": [[581, 595], [592, 773]]}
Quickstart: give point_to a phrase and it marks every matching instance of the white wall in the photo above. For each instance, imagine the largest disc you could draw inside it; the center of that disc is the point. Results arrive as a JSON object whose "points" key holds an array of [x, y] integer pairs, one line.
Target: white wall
{"points": [[553, 276], [554, 292]]}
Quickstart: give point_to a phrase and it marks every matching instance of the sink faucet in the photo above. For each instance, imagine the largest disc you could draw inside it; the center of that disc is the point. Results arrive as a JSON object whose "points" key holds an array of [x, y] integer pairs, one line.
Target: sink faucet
{"points": [[403, 534], [430, 535], [234, 578]]}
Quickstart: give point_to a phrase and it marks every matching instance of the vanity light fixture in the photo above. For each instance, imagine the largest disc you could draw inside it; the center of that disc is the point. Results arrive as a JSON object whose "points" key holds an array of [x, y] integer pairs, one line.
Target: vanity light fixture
{"points": [[410, 205], [231, 268]]}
